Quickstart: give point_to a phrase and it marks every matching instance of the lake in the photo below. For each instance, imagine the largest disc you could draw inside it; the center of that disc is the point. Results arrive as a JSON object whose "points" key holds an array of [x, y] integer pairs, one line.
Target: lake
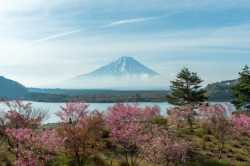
{"points": [[54, 107]]}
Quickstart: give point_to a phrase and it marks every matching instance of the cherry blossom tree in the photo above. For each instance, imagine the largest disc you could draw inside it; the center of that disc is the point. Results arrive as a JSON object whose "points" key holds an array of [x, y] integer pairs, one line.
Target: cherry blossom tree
{"points": [[21, 115], [161, 148], [216, 117], [242, 128], [82, 129], [178, 114], [128, 126], [33, 149]]}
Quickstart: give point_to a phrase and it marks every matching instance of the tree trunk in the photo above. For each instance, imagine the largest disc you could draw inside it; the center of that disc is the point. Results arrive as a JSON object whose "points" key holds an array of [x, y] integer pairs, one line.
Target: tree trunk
{"points": [[220, 149], [190, 123], [126, 158], [131, 158], [135, 160]]}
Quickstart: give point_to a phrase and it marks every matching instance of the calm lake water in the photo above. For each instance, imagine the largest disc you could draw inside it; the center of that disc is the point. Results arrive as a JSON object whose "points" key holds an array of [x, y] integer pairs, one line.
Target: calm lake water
{"points": [[54, 107]]}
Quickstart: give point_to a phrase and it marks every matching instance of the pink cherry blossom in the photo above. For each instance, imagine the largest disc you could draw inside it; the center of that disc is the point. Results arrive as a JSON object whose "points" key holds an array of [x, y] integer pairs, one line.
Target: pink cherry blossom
{"points": [[161, 148], [177, 115], [128, 125], [33, 149], [73, 112], [242, 128]]}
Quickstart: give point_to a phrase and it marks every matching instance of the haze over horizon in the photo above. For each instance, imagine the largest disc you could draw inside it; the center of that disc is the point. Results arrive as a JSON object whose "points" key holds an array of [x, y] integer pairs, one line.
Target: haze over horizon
{"points": [[46, 42]]}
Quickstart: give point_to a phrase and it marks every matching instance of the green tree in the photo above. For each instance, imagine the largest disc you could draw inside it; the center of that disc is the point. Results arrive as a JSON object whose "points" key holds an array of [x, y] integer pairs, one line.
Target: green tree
{"points": [[186, 89], [241, 90]]}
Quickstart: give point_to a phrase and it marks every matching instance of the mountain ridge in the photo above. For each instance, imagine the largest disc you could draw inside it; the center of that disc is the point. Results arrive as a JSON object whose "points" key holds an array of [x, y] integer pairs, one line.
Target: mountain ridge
{"points": [[11, 89]]}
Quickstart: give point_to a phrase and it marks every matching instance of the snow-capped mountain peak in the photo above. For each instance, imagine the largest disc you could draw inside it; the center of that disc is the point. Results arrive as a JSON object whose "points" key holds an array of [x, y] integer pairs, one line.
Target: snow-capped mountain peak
{"points": [[123, 66]]}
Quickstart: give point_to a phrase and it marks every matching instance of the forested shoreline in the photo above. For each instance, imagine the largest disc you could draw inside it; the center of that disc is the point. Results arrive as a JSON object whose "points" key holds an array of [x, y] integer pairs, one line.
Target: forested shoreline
{"points": [[217, 92]]}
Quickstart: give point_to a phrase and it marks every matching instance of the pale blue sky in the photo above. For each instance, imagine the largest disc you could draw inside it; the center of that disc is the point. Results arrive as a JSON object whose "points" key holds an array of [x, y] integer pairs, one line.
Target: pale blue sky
{"points": [[44, 42]]}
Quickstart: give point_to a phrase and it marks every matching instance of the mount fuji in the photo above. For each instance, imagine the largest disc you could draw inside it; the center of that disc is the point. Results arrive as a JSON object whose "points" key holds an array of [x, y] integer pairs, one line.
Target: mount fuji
{"points": [[124, 73], [122, 66]]}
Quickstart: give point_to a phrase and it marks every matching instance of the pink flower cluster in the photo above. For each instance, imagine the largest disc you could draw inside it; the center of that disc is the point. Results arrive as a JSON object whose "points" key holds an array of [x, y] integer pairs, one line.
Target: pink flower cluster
{"points": [[127, 124], [212, 112], [242, 128], [241, 123], [73, 112], [33, 149], [162, 148]]}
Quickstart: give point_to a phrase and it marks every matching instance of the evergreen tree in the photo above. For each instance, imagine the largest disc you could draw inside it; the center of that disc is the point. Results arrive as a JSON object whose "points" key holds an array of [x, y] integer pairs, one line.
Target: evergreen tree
{"points": [[241, 91], [186, 89]]}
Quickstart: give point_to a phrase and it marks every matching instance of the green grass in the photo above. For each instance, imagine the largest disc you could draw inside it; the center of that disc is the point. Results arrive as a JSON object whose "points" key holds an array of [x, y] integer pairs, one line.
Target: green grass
{"points": [[205, 149]]}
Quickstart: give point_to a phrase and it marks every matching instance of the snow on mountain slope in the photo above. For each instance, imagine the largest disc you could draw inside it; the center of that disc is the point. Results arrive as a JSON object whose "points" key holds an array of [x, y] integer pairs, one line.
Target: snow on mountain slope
{"points": [[122, 66]]}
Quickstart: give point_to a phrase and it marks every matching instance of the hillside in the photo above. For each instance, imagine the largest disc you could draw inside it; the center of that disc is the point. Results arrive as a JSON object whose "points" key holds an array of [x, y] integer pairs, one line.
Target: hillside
{"points": [[220, 91], [11, 89]]}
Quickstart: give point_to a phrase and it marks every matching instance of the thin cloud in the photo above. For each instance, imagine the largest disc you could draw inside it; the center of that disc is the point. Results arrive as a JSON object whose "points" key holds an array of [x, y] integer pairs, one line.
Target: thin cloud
{"points": [[138, 20], [56, 36], [130, 21]]}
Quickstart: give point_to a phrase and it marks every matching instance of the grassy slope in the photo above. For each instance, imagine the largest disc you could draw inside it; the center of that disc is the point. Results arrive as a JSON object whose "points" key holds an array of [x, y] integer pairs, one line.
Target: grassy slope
{"points": [[204, 150]]}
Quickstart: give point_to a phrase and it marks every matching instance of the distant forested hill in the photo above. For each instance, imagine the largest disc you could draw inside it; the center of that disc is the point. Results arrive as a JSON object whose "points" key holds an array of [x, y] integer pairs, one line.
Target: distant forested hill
{"points": [[11, 89], [93, 95], [220, 91]]}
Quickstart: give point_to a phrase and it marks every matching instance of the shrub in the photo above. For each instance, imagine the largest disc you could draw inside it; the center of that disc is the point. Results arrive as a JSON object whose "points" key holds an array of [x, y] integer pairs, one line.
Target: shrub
{"points": [[230, 150], [206, 128], [4, 159], [239, 157], [98, 161], [31, 148], [105, 133], [207, 139], [160, 120], [229, 156], [123, 162], [199, 134], [236, 145]]}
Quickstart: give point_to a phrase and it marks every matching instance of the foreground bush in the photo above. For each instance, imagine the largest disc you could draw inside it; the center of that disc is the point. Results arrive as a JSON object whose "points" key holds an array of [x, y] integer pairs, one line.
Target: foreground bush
{"points": [[242, 129], [21, 115], [33, 149], [161, 148], [177, 115]]}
